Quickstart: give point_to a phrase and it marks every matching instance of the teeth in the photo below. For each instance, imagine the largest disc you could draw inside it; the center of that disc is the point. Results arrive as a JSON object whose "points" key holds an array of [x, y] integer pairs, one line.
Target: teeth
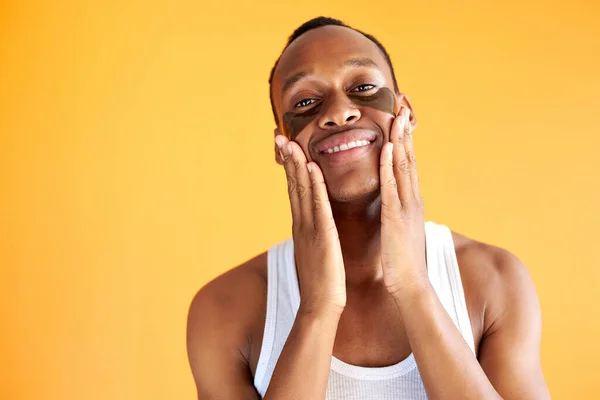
{"points": [[348, 146]]}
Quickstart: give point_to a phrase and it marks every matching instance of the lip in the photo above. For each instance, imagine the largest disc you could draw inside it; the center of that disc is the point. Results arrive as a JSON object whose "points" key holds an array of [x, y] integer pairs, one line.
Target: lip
{"points": [[347, 156], [347, 136]]}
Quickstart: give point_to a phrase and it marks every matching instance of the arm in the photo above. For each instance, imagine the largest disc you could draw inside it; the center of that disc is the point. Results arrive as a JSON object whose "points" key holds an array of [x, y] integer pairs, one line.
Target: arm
{"points": [[219, 361], [447, 365], [221, 314], [509, 362], [214, 344], [509, 352], [302, 370]]}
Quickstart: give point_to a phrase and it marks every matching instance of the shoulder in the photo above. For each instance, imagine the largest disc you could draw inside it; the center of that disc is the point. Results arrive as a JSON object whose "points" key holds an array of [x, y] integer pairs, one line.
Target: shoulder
{"points": [[489, 263], [229, 310], [494, 280], [508, 348]]}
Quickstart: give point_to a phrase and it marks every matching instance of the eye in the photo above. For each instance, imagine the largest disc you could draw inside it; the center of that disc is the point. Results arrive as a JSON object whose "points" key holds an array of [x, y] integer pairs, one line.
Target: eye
{"points": [[304, 103], [363, 88]]}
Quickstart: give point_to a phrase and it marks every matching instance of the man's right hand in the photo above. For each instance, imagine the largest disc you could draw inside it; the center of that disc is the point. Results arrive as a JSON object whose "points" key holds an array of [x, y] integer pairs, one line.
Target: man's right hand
{"points": [[318, 254]]}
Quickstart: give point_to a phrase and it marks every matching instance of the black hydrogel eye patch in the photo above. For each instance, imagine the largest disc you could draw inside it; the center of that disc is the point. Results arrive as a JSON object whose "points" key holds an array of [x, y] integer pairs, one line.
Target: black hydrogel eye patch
{"points": [[382, 100]]}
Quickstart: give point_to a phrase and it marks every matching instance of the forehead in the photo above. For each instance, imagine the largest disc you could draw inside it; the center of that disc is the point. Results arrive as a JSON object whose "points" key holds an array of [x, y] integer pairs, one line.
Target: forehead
{"points": [[324, 51]]}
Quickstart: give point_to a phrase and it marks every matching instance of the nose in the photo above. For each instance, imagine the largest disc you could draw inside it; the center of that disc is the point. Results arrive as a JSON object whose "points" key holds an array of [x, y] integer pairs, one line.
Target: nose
{"points": [[339, 111]]}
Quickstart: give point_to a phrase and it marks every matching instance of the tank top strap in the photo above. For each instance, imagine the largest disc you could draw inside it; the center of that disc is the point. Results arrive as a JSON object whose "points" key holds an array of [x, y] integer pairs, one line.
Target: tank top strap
{"points": [[444, 274], [283, 298]]}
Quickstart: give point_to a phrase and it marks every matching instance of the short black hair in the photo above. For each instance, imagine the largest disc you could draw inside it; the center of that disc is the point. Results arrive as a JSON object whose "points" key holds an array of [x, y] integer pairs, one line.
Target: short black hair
{"points": [[318, 23]]}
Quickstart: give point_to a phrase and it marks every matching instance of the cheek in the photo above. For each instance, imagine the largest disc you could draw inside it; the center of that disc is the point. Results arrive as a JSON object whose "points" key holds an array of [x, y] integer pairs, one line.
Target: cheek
{"points": [[383, 100], [303, 140], [387, 128], [383, 120], [294, 124]]}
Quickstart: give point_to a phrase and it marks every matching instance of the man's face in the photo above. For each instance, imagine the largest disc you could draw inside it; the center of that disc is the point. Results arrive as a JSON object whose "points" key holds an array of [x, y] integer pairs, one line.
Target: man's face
{"points": [[329, 94]]}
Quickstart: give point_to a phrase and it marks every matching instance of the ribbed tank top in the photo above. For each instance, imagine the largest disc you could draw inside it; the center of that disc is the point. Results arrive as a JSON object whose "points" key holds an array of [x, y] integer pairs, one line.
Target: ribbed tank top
{"points": [[351, 382]]}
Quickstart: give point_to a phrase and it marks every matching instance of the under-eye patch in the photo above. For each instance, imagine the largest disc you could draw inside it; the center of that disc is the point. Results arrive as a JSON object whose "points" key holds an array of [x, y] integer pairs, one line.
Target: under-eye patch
{"points": [[382, 100]]}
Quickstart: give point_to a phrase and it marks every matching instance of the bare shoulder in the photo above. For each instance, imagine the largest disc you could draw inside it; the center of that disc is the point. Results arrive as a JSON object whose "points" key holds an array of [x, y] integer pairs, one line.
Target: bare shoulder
{"points": [[500, 292], [228, 312], [492, 278], [488, 262]]}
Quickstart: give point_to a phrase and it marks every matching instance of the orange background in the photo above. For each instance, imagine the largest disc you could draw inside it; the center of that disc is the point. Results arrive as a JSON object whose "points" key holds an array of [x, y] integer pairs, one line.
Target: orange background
{"points": [[136, 164]]}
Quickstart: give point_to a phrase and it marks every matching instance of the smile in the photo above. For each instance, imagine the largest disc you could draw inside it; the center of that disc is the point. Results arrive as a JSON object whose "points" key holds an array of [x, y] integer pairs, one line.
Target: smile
{"points": [[347, 146]]}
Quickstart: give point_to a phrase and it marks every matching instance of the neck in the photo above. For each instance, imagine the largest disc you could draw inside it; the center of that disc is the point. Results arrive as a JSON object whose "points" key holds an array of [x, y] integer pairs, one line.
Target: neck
{"points": [[359, 230]]}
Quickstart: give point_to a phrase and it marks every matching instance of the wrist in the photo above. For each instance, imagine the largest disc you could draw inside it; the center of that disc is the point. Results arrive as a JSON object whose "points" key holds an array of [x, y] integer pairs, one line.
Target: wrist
{"points": [[411, 290], [325, 311]]}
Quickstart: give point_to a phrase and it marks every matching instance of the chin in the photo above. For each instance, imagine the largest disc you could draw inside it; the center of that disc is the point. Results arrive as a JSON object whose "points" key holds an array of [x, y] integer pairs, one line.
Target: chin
{"points": [[355, 190]]}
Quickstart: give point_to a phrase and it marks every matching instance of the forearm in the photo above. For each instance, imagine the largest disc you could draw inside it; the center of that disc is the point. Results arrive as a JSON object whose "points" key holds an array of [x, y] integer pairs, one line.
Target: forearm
{"points": [[448, 367], [302, 370]]}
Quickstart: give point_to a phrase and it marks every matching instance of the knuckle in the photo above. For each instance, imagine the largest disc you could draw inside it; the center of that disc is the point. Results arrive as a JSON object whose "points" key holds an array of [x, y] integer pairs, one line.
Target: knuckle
{"points": [[386, 163], [388, 214], [419, 205], [301, 190], [403, 167], [317, 205], [391, 182], [297, 164], [411, 158], [415, 207], [291, 182], [412, 207], [295, 227], [316, 184], [316, 234]]}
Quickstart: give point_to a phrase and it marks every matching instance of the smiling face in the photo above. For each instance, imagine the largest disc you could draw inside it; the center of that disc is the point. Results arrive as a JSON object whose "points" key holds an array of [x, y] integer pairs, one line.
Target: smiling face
{"points": [[333, 94]]}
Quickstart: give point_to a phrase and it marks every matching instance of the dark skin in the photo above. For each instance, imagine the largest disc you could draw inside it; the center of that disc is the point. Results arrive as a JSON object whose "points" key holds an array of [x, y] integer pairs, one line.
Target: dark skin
{"points": [[363, 281]]}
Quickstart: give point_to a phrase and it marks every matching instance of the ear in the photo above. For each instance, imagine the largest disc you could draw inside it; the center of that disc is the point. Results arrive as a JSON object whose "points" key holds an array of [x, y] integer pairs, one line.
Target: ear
{"points": [[278, 159], [405, 101]]}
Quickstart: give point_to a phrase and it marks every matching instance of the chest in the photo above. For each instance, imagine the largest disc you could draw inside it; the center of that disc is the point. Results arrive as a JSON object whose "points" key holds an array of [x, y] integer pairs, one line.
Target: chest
{"points": [[372, 336], [371, 332]]}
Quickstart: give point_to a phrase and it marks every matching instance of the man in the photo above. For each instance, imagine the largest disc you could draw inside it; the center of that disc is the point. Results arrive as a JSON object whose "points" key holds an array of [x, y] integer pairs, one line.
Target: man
{"points": [[368, 301]]}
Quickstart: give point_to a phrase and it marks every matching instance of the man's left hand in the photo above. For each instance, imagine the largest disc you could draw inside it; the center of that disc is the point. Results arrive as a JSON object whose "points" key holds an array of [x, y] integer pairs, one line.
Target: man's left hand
{"points": [[402, 220]]}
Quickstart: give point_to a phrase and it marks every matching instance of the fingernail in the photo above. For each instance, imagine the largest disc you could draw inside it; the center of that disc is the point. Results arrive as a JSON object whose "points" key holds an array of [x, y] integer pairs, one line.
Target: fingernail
{"points": [[390, 150], [401, 111], [278, 142], [309, 168]]}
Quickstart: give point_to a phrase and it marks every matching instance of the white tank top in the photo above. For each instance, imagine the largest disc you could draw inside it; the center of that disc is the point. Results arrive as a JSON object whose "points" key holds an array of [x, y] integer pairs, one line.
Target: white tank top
{"points": [[399, 381]]}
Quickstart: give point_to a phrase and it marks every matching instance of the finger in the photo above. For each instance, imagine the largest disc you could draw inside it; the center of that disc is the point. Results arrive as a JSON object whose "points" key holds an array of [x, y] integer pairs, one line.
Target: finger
{"points": [[401, 167], [412, 161], [322, 214], [390, 203], [303, 187], [290, 174]]}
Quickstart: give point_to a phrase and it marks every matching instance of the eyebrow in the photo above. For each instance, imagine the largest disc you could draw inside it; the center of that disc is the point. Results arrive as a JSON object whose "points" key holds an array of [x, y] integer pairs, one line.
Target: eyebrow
{"points": [[293, 79], [352, 63], [361, 62]]}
